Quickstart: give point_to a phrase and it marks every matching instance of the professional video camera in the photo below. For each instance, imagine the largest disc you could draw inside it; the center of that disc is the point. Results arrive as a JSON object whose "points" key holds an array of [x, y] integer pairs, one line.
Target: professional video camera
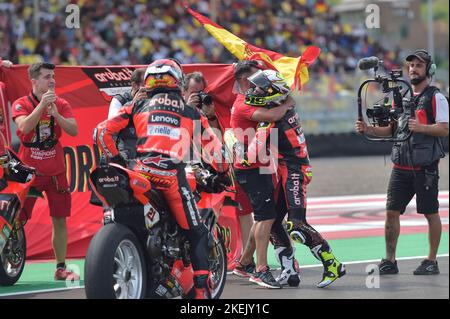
{"points": [[386, 113]]}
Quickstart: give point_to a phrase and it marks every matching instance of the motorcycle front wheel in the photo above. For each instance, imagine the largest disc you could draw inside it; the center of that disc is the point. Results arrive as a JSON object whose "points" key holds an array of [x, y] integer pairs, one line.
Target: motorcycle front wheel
{"points": [[218, 265], [12, 258], [115, 266]]}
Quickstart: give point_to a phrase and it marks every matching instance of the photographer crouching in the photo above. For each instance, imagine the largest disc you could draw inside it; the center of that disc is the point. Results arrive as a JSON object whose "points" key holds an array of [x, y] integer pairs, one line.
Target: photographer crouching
{"points": [[416, 160]]}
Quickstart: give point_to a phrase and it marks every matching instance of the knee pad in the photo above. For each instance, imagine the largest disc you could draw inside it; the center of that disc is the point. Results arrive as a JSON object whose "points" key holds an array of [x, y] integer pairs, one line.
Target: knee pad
{"points": [[304, 233]]}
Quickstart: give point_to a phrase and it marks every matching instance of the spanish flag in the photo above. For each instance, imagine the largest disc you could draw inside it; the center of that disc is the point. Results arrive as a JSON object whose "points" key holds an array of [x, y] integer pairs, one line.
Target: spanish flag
{"points": [[294, 70]]}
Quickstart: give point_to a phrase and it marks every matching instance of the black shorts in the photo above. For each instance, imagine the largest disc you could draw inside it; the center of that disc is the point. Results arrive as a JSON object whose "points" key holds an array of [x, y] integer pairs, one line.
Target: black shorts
{"points": [[404, 184], [260, 190]]}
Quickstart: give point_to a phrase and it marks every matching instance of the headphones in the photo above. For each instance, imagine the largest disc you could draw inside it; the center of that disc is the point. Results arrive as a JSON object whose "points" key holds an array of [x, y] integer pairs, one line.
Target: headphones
{"points": [[431, 66]]}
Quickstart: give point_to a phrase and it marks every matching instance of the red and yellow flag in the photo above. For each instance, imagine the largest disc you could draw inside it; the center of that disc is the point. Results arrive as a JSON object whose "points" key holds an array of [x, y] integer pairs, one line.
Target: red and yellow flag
{"points": [[294, 70]]}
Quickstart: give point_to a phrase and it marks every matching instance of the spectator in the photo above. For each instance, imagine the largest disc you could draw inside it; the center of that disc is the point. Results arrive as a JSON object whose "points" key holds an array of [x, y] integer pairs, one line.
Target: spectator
{"points": [[115, 32]]}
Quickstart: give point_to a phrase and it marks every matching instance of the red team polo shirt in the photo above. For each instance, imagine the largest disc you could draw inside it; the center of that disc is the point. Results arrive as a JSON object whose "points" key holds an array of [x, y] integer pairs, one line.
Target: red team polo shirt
{"points": [[241, 119], [50, 162]]}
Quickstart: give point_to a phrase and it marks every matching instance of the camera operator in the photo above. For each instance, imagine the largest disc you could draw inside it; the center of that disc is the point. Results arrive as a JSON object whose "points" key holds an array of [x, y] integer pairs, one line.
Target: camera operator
{"points": [[194, 95], [416, 160]]}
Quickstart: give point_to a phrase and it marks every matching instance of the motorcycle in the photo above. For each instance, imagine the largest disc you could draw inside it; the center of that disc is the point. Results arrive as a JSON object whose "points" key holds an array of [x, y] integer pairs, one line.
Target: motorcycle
{"points": [[15, 182], [141, 252]]}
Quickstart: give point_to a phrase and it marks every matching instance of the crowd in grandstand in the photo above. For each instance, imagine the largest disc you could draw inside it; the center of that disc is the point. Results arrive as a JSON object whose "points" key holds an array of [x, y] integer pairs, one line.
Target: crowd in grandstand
{"points": [[138, 31]]}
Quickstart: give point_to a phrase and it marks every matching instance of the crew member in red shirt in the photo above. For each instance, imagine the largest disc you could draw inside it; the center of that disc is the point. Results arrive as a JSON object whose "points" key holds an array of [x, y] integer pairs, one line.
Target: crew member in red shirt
{"points": [[41, 117]]}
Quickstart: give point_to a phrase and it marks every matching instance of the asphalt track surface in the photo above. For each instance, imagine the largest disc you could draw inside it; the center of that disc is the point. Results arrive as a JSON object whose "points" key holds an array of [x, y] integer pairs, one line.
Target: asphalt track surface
{"points": [[333, 177], [356, 284]]}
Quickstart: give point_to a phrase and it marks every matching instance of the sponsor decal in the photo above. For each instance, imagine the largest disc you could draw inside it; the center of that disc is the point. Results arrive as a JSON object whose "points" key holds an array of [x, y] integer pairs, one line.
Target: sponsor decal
{"points": [[156, 160], [187, 194], [108, 179], [164, 100], [140, 184], [293, 119], [295, 189], [110, 80], [163, 130], [160, 181], [225, 233], [4, 204], [163, 118], [151, 216], [301, 138], [41, 155]]}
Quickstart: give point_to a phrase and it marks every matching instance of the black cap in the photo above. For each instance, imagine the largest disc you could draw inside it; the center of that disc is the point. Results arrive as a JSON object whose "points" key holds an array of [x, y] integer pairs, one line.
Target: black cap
{"points": [[422, 55]]}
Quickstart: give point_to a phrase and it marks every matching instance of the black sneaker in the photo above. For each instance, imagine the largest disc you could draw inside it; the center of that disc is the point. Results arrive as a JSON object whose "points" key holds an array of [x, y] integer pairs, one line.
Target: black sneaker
{"points": [[427, 267], [387, 267], [244, 271], [265, 279]]}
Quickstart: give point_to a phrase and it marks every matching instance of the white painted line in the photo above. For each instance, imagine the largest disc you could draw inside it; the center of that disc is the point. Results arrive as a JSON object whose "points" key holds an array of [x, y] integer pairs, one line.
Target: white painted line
{"points": [[39, 291], [379, 224], [442, 194], [373, 261]]}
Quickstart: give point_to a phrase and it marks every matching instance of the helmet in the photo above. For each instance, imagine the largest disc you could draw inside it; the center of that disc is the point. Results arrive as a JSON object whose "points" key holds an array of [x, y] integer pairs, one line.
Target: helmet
{"points": [[270, 89], [164, 74]]}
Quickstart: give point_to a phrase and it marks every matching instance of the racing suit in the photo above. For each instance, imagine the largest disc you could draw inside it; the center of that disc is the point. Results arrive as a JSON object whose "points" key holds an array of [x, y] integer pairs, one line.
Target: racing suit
{"points": [[126, 139], [294, 172], [165, 126]]}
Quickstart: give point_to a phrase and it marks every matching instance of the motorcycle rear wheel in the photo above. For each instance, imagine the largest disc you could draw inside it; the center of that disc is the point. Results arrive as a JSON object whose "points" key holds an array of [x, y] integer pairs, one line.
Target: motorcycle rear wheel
{"points": [[115, 266], [12, 258]]}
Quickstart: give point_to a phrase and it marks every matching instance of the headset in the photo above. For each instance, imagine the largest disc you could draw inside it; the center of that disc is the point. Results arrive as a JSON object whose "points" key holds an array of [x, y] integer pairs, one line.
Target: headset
{"points": [[431, 66]]}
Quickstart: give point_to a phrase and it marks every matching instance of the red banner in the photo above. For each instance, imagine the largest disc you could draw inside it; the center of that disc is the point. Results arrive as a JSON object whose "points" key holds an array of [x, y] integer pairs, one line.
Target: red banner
{"points": [[89, 90]]}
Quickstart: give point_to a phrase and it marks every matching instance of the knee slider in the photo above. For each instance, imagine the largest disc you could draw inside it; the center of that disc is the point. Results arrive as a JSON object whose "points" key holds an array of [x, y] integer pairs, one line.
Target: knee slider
{"points": [[296, 233]]}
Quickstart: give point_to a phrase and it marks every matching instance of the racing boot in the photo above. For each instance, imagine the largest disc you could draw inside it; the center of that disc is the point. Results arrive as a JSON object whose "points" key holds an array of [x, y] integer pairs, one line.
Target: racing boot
{"points": [[333, 269], [290, 272], [202, 286]]}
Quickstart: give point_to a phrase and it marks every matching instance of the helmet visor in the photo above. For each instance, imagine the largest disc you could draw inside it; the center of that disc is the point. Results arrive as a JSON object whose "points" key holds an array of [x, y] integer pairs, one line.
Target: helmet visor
{"points": [[160, 80], [259, 79]]}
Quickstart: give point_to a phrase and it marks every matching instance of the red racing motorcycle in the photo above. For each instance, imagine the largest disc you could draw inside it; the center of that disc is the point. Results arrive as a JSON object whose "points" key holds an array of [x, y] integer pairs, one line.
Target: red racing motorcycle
{"points": [[15, 182], [141, 252]]}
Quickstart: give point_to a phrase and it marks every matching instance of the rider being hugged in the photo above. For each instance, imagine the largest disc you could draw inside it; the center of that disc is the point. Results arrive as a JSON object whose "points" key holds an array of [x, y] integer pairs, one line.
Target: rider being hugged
{"points": [[165, 128]]}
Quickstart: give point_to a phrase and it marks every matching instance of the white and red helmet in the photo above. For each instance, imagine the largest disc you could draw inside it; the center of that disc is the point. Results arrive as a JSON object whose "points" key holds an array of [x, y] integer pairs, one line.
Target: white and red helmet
{"points": [[164, 74]]}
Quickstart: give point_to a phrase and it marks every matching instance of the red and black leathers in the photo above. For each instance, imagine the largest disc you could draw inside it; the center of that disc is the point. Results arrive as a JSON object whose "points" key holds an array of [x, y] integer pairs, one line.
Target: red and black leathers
{"points": [[293, 160], [165, 127], [294, 173]]}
